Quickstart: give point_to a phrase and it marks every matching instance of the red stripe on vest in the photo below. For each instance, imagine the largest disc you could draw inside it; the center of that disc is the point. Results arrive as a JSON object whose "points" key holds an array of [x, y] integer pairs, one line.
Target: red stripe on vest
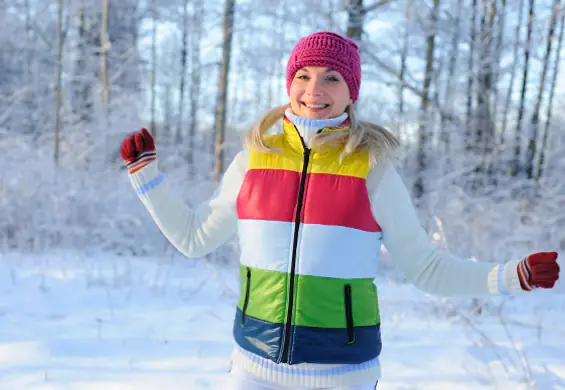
{"points": [[268, 194], [338, 200], [271, 194]]}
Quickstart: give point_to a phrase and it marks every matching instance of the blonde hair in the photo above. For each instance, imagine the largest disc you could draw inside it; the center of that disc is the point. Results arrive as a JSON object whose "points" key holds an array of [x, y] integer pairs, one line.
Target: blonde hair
{"points": [[378, 141]]}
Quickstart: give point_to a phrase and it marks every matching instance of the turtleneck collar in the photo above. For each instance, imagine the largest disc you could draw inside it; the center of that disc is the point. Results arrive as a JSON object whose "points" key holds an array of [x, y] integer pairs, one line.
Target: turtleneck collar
{"points": [[309, 127]]}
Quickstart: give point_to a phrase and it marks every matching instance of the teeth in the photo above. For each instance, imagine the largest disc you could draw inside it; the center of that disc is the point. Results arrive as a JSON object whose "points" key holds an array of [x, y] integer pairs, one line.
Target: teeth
{"points": [[316, 105]]}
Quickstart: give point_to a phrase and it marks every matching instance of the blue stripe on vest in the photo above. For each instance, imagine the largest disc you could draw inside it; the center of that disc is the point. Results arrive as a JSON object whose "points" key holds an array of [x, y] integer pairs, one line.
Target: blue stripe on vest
{"points": [[259, 337], [310, 345], [330, 346]]}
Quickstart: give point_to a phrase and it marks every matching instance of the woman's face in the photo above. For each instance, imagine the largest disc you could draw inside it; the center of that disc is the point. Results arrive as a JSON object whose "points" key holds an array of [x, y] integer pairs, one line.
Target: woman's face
{"points": [[319, 93]]}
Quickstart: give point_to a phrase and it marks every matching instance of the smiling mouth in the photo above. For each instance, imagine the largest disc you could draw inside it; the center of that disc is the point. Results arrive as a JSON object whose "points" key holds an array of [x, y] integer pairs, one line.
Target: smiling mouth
{"points": [[315, 106]]}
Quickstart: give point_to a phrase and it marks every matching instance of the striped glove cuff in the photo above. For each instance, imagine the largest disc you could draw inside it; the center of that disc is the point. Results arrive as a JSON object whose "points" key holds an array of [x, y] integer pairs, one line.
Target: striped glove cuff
{"points": [[525, 275], [141, 161]]}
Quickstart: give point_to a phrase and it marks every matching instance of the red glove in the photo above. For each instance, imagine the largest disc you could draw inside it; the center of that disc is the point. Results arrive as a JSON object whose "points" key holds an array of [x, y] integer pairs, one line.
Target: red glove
{"points": [[539, 270], [138, 150]]}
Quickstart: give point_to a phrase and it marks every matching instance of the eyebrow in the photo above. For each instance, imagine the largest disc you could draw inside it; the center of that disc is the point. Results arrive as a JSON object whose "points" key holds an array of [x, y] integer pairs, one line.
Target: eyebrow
{"points": [[327, 70]]}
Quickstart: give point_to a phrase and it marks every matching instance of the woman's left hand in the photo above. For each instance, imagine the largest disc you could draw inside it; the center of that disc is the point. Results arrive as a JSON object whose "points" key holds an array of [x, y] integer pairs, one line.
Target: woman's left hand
{"points": [[539, 270]]}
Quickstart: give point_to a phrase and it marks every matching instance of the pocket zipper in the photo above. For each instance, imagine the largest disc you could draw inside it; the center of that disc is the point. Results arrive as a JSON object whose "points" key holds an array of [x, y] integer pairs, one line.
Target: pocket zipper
{"points": [[247, 288], [349, 314]]}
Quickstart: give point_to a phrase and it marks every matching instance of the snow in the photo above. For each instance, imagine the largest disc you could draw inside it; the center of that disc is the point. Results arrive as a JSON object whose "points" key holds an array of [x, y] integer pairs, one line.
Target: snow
{"points": [[71, 321]]}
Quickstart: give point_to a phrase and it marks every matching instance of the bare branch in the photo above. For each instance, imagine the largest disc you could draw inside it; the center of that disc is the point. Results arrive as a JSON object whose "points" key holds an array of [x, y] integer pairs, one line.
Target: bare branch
{"points": [[378, 4], [446, 115]]}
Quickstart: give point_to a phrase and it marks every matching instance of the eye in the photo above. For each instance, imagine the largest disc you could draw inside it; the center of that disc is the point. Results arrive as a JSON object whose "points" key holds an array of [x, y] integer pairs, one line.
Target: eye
{"points": [[302, 77], [332, 78]]}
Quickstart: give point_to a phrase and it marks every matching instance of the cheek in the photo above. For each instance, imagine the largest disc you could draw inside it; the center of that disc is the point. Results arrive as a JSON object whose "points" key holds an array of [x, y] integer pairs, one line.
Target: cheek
{"points": [[294, 97], [345, 94], [295, 91], [341, 96], [345, 98]]}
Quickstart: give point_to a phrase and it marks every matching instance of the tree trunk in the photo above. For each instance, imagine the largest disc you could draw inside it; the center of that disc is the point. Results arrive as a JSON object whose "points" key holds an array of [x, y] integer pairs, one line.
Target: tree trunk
{"points": [[104, 53], [451, 67], [434, 128], [81, 86], [355, 19], [104, 45], [153, 124], [403, 66], [496, 59], [58, 87], [183, 61], [471, 78], [356, 12], [29, 125], [485, 128], [424, 131], [534, 122], [543, 150], [516, 166], [195, 72], [512, 75], [228, 23]]}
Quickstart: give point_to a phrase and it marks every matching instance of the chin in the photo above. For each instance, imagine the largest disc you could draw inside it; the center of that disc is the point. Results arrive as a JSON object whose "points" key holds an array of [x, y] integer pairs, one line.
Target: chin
{"points": [[315, 115], [319, 116]]}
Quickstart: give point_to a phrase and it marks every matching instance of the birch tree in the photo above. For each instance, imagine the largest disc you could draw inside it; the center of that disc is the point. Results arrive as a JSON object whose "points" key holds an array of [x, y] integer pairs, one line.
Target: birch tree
{"points": [[542, 160], [485, 127], [59, 87], [534, 121], [513, 72], [195, 76], [469, 123], [423, 126], [228, 23], [183, 70], [153, 125], [517, 161]]}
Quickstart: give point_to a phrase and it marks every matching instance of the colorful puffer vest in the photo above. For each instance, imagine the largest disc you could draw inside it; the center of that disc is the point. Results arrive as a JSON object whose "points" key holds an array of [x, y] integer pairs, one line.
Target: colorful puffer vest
{"points": [[309, 252]]}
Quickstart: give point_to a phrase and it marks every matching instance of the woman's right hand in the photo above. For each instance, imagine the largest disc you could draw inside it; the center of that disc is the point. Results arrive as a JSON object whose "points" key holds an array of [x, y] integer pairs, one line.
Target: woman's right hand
{"points": [[138, 150]]}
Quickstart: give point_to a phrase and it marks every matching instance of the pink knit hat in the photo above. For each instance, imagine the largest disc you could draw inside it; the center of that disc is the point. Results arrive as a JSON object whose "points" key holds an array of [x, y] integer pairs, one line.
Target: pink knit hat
{"points": [[330, 50]]}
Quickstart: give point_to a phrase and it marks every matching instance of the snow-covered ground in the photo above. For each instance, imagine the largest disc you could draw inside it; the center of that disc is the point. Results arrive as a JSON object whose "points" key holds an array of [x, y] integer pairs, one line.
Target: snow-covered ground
{"points": [[101, 322]]}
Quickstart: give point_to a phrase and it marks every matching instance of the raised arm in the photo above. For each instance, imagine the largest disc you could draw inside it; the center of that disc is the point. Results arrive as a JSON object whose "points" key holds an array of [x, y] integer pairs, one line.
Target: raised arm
{"points": [[194, 232]]}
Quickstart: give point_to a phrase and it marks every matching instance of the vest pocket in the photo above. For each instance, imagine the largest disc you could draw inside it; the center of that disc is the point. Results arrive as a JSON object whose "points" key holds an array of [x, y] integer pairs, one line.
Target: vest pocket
{"points": [[246, 300], [349, 314]]}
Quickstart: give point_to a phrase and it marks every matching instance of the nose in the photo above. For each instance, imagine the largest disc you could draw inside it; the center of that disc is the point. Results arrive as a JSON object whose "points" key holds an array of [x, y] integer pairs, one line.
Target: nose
{"points": [[314, 87]]}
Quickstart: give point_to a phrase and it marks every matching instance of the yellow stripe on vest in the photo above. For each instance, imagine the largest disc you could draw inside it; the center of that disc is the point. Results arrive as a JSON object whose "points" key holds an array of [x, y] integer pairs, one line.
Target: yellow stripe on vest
{"points": [[356, 164]]}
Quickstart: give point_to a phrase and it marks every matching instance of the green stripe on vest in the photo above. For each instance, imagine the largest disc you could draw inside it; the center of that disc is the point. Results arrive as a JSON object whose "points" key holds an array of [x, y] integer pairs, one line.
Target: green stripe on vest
{"points": [[320, 302], [267, 296]]}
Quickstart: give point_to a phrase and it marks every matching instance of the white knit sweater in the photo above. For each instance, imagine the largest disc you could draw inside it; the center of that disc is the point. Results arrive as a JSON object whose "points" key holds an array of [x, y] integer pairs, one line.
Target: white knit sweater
{"points": [[196, 232]]}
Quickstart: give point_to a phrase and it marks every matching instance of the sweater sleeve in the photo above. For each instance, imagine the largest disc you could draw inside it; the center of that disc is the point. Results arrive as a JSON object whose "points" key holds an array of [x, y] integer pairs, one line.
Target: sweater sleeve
{"points": [[199, 231], [422, 262]]}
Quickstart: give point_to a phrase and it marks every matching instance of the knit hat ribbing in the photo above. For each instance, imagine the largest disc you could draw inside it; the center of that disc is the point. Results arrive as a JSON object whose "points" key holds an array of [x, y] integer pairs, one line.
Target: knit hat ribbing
{"points": [[330, 50]]}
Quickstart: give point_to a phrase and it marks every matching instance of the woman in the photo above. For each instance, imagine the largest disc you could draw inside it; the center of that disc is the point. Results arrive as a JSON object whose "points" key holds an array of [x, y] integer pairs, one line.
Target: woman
{"points": [[312, 206]]}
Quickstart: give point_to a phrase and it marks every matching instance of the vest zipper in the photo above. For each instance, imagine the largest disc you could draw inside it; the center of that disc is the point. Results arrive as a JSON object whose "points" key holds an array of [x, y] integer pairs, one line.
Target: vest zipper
{"points": [[286, 331], [247, 291], [349, 314]]}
